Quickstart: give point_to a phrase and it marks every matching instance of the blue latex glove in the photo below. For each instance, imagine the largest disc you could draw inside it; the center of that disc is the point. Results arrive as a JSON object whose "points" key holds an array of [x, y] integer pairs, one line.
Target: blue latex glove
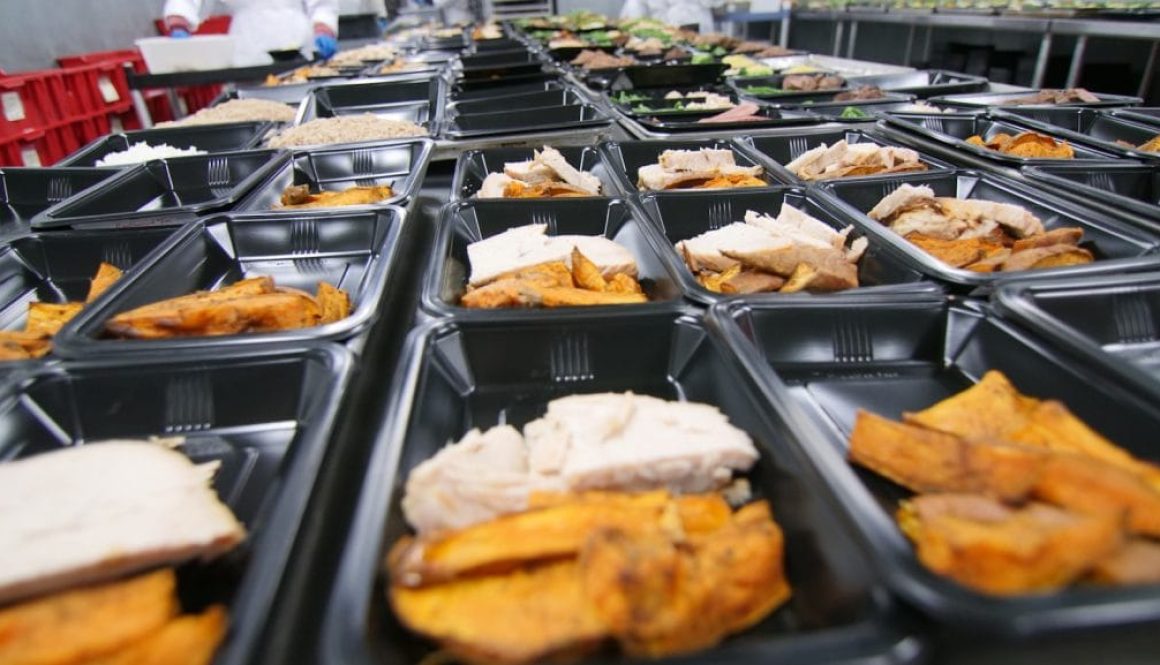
{"points": [[179, 33], [325, 46]]}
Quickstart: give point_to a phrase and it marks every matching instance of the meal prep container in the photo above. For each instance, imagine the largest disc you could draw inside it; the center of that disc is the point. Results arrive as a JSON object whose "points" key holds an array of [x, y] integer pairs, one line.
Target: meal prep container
{"points": [[665, 76], [953, 130], [741, 84], [1109, 321], [523, 102], [1117, 246], [466, 222], [924, 84], [26, 192], [400, 164], [828, 362], [464, 88], [981, 100], [352, 250], [165, 191], [265, 417], [58, 267], [460, 95], [227, 137], [822, 108], [548, 118], [687, 122], [679, 216], [417, 100], [656, 96], [474, 165], [495, 65], [566, 54], [1088, 126], [1126, 186], [624, 158], [458, 375], [774, 152], [1145, 114]]}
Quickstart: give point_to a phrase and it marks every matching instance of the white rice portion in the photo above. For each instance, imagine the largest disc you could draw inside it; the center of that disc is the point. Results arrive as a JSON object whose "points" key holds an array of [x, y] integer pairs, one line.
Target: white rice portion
{"points": [[143, 152], [238, 110], [345, 129]]}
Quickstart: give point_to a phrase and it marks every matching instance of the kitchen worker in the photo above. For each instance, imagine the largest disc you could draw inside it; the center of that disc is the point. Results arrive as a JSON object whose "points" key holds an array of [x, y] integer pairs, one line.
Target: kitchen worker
{"points": [[259, 26], [673, 12]]}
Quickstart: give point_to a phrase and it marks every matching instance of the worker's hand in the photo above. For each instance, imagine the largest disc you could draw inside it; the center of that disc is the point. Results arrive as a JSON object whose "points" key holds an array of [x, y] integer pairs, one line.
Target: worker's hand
{"points": [[325, 45], [179, 33]]}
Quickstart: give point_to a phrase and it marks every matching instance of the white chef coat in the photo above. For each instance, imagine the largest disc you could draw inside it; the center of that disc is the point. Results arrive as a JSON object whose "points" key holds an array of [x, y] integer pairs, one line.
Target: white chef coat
{"points": [[672, 12], [259, 26]]}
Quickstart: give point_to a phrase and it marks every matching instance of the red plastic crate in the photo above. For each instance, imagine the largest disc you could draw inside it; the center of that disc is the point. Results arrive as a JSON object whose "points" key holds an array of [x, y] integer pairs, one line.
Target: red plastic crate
{"points": [[43, 147], [96, 88], [132, 56], [32, 101], [127, 121], [199, 97]]}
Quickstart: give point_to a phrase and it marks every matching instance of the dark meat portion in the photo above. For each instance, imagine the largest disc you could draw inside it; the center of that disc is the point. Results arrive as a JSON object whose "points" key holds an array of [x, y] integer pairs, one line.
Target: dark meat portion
{"points": [[812, 82], [860, 94], [772, 52], [677, 53], [1068, 96]]}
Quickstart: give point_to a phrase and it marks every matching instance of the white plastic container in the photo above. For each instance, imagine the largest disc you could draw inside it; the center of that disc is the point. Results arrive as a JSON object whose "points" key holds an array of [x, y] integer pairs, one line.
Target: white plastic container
{"points": [[164, 55]]}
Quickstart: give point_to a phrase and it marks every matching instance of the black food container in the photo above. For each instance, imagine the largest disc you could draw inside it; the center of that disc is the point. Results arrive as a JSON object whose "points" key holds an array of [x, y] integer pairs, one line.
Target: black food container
{"points": [[624, 158], [474, 166], [228, 137], [26, 192], [1089, 127], [774, 152], [352, 250], [981, 100], [1125, 186], [460, 375]]}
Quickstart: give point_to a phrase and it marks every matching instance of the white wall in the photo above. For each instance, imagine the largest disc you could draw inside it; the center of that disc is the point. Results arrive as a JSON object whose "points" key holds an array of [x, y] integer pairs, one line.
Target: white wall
{"points": [[606, 7], [33, 33]]}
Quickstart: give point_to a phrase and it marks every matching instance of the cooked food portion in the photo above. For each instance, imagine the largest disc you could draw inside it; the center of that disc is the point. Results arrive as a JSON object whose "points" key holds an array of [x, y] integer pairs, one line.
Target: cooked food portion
{"points": [[848, 160], [647, 46], [812, 82], [363, 54], [523, 267], [1025, 144], [130, 622], [743, 65], [568, 40], [301, 75], [591, 59], [238, 110], [300, 196], [772, 51], [548, 174], [700, 100], [344, 129], [608, 441], [399, 65], [66, 555], [1015, 494], [486, 31], [116, 518], [46, 319], [862, 93], [1050, 97], [143, 152], [743, 112], [707, 168], [1151, 145], [252, 305], [656, 574], [790, 253], [982, 236]]}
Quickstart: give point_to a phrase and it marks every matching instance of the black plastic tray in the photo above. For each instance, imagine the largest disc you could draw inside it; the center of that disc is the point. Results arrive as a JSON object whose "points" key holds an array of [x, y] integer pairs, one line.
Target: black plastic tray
{"points": [[58, 266], [624, 158], [464, 89], [680, 216], [741, 83], [663, 76], [500, 69], [26, 192], [459, 375], [657, 95], [549, 118], [1110, 321], [167, 191], [828, 362], [400, 164], [952, 129], [1117, 246], [538, 84], [210, 138], [677, 123], [823, 104], [352, 250], [566, 54], [265, 417], [516, 102], [773, 152], [924, 84], [1088, 126], [475, 165], [468, 221], [418, 100], [1145, 114], [1000, 99], [1131, 187]]}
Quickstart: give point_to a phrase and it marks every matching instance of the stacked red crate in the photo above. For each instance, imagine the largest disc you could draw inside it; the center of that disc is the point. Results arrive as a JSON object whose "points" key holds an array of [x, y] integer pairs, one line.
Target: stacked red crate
{"points": [[36, 112]]}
